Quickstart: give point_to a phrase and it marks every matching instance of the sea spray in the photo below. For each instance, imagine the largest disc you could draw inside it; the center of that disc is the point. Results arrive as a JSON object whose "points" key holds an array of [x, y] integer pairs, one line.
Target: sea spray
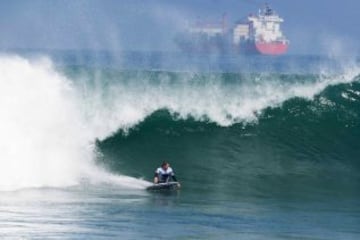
{"points": [[123, 99], [45, 139]]}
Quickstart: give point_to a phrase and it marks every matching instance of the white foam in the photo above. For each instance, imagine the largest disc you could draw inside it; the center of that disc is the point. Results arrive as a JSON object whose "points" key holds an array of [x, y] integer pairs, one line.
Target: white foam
{"points": [[45, 140]]}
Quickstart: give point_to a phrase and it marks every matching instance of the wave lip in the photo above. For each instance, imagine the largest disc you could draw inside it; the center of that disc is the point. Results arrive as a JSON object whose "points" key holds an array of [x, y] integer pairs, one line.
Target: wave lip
{"points": [[122, 99]]}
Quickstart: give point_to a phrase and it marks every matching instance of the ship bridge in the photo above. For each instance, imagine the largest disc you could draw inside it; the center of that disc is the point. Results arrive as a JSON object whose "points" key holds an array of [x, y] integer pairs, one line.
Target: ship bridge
{"points": [[265, 26]]}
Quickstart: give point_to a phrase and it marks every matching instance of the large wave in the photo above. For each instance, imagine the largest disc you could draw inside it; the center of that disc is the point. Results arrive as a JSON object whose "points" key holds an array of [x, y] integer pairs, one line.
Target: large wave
{"points": [[50, 119]]}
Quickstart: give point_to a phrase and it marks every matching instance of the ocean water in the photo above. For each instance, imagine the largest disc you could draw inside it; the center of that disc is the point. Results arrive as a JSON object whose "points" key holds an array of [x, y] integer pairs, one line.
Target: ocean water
{"points": [[264, 147]]}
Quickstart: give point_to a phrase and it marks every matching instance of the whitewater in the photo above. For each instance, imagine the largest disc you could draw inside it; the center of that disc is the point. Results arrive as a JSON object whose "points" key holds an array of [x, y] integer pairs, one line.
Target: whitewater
{"points": [[46, 141]]}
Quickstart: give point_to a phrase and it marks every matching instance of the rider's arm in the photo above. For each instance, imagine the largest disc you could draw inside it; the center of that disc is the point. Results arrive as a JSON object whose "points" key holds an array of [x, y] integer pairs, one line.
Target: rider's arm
{"points": [[156, 177], [173, 176]]}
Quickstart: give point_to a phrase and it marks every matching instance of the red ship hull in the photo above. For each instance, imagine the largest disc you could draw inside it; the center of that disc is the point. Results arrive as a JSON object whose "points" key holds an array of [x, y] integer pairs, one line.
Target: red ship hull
{"points": [[264, 48]]}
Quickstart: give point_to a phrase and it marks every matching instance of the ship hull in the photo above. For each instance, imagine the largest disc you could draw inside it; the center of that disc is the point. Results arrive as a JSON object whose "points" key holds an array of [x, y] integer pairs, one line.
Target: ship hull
{"points": [[246, 48], [264, 48]]}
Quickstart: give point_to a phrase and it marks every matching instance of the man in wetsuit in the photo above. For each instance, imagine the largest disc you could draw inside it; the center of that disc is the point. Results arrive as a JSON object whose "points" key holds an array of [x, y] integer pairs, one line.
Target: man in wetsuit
{"points": [[164, 173]]}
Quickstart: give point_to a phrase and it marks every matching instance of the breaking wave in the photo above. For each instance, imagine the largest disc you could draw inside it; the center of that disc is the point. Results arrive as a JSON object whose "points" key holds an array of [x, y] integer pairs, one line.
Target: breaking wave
{"points": [[59, 124]]}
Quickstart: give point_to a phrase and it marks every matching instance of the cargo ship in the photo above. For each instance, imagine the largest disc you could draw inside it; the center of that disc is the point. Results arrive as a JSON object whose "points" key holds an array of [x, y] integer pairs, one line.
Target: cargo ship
{"points": [[257, 34]]}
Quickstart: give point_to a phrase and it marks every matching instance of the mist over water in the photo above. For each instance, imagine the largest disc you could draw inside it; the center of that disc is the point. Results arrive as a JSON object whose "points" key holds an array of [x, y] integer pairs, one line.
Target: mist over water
{"points": [[127, 97]]}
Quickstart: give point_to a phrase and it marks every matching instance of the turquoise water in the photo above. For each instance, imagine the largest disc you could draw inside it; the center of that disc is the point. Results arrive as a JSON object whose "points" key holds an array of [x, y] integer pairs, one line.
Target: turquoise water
{"points": [[113, 213], [265, 148]]}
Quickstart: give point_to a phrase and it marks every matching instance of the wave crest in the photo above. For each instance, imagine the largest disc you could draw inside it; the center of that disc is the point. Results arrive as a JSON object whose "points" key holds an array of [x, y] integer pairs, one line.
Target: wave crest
{"points": [[121, 100]]}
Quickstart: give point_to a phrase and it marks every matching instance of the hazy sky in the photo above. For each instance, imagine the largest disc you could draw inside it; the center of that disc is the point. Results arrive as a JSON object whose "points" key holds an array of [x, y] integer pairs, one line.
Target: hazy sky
{"points": [[313, 26]]}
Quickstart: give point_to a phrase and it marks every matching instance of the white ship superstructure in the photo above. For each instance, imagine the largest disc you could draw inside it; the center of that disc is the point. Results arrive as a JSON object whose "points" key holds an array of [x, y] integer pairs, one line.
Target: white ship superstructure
{"points": [[266, 26]]}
